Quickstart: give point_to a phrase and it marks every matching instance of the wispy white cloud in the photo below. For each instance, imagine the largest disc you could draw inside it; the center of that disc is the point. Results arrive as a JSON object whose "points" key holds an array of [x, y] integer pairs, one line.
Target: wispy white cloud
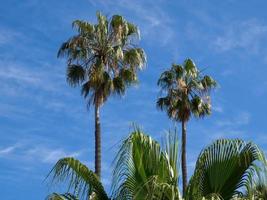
{"points": [[218, 108], [7, 36], [45, 77], [262, 89], [7, 150], [17, 73], [48, 155], [246, 35], [241, 119], [46, 82], [227, 72], [155, 23], [226, 133], [42, 154], [261, 139]]}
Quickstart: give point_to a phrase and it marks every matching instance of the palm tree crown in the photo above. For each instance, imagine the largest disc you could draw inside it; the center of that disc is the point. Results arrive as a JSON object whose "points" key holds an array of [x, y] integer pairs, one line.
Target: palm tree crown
{"points": [[103, 57], [187, 92]]}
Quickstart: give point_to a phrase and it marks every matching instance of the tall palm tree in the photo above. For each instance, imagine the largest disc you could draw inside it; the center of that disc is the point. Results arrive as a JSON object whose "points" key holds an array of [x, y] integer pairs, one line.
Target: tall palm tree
{"points": [[103, 59], [186, 92], [226, 169]]}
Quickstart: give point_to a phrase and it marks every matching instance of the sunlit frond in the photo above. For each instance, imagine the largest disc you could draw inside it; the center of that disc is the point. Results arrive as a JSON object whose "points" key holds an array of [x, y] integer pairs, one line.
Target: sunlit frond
{"points": [[144, 170], [79, 178], [224, 168]]}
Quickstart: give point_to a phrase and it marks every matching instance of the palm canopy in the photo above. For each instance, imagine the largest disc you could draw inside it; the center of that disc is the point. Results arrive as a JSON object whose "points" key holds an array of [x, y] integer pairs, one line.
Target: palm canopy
{"points": [[144, 170], [103, 57], [186, 91], [224, 169]]}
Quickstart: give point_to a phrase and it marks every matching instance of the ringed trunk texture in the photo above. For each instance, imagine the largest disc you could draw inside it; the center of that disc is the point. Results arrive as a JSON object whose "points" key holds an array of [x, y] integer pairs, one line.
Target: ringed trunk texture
{"points": [[184, 167], [97, 142]]}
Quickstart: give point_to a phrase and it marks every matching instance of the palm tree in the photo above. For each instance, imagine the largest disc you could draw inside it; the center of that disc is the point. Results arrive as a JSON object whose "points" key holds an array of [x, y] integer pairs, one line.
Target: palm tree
{"points": [[186, 92], [103, 59], [225, 169]]}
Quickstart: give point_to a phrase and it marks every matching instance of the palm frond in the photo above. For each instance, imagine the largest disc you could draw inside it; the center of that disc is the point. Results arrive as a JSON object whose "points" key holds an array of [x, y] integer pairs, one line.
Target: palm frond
{"points": [[79, 178], [84, 28], [142, 168], [223, 168], [75, 75], [134, 58]]}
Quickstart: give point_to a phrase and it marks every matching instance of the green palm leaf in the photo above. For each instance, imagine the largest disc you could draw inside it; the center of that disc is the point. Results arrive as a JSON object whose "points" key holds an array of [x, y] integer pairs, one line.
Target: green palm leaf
{"points": [[224, 168], [83, 181], [145, 171]]}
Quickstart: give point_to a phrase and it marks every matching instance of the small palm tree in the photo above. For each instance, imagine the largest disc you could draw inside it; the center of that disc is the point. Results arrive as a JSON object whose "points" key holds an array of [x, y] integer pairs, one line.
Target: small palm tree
{"points": [[186, 92], [103, 59], [225, 169]]}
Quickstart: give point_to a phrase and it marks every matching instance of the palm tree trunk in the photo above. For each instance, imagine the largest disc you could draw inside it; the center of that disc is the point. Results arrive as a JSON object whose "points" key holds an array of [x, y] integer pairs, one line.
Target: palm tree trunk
{"points": [[184, 168], [97, 142]]}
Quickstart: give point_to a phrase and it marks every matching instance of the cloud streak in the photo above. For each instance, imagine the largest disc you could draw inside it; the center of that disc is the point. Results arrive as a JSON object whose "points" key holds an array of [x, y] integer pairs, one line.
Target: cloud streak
{"points": [[155, 23], [246, 35], [43, 154], [241, 119]]}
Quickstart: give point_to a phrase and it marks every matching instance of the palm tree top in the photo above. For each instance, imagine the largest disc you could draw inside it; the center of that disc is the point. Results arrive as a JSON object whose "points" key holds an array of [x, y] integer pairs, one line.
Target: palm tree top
{"points": [[185, 91], [104, 57]]}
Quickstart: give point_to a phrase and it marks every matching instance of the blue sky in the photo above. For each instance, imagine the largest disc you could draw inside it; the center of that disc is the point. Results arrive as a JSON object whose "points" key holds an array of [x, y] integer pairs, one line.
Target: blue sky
{"points": [[42, 119]]}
